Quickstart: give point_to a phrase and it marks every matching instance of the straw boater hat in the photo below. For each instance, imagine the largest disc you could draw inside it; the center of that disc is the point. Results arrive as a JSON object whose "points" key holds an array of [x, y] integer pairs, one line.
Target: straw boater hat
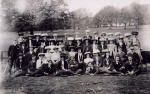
{"points": [[41, 54], [127, 34], [70, 38], [131, 48], [117, 34], [135, 44], [20, 54], [105, 51], [48, 47], [44, 35], [87, 53], [102, 39], [78, 38], [121, 37], [96, 52], [111, 39], [87, 31], [135, 33], [103, 34]]}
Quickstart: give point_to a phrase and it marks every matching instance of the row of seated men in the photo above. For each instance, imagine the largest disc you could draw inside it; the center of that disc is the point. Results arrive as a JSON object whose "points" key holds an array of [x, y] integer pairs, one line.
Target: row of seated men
{"points": [[106, 54]]}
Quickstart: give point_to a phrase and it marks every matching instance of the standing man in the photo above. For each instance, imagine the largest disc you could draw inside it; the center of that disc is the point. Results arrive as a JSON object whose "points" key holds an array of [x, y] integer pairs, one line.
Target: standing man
{"points": [[36, 41], [12, 54], [87, 46]]}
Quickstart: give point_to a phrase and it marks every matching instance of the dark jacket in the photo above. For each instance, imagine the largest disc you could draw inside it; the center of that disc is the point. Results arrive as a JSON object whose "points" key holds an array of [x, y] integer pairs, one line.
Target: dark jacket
{"points": [[60, 65], [13, 52], [87, 48], [99, 61], [77, 58]]}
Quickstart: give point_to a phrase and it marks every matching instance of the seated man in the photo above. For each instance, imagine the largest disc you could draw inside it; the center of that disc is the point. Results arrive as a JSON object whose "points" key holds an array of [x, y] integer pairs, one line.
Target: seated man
{"points": [[97, 61], [32, 64], [117, 65], [62, 68], [107, 61], [79, 58], [122, 55], [129, 68], [136, 57], [21, 66], [89, 63], [41, 48], [42, 66], [55, 57]]}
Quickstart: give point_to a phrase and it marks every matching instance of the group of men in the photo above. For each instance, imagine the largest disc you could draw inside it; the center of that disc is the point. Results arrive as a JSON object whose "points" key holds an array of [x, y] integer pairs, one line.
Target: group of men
{"points": [[111, 53]]}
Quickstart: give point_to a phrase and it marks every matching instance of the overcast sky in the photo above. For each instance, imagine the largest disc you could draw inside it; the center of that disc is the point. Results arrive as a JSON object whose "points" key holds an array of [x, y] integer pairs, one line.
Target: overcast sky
{"points": [[95, 5]]}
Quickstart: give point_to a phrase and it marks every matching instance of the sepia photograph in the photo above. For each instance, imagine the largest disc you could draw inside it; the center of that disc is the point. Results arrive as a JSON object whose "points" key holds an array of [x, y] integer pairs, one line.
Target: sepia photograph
{"points": [[74, 47]]}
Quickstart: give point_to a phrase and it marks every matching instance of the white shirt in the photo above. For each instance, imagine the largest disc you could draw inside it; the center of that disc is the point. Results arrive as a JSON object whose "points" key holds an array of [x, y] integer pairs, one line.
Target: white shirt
{"points": [[40, 62], [55, 57], [48, 56], [88, 61]]}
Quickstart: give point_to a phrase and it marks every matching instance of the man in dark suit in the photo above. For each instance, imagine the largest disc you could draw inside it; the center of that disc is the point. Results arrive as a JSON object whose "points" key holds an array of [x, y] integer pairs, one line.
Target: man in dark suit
{"points": [[97, 62], [41, 48], [79, 55], [28, 56], [36, 41], [13, 54], [45, 40], [21, 66], [103, 45], [22, 48], [62, 68], [87, 46], [79, 58]]}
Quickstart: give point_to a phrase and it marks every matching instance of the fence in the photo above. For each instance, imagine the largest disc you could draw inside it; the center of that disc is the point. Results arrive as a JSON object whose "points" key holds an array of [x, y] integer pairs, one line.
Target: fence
{"points": [[3, 56]]}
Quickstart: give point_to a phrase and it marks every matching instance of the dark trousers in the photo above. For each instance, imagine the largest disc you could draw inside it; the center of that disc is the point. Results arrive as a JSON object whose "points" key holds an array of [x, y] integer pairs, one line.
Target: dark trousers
{"points": [[80, 68], [41, 70], [11, 64]]}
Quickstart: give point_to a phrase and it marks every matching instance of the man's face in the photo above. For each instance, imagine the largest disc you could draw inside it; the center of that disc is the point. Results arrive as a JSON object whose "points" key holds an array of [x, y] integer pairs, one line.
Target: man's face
{"points": [[130, 59], [42, 44], [72, 49], [88, 56], [79, 50], [33, 57], [15, 43], [30, 38], [86, 41], [37, 38], [55, 50], [44, 38], [96, 54], [132, 50], [119, 49], [60, 43], [107, 54], [23, 45], [62, 58], [20, 57], [78, 41], [51, 43], [48, 50], [111, 42], [70, 42], [102, 42], [94, 42], [41, 57]]}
